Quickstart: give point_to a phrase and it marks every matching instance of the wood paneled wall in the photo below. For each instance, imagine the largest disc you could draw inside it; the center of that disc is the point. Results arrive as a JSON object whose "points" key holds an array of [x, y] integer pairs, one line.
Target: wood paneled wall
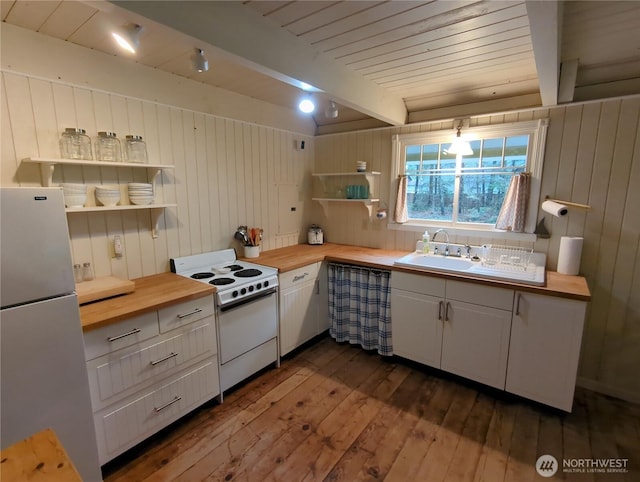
{"points": [[592, 157], [226, 173], [229, 172]]}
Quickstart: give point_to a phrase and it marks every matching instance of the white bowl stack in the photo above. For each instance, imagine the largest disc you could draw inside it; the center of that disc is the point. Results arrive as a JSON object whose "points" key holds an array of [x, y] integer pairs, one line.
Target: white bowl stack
{"points": [[108, 195], [140, 193], [75, 195]]}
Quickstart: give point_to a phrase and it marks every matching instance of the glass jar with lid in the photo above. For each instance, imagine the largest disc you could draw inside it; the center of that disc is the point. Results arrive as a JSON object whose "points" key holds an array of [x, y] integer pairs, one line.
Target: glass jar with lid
{"points": [[107, 147], [135, 149], [75, 144]]}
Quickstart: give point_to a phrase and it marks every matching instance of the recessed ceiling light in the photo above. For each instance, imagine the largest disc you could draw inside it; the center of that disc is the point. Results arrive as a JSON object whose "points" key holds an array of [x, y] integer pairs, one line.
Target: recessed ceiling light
{"points": [[306, 105]]}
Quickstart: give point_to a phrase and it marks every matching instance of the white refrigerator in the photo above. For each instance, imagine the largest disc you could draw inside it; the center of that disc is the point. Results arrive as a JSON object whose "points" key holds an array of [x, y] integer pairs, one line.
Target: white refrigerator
{"points": [[43, 375]]}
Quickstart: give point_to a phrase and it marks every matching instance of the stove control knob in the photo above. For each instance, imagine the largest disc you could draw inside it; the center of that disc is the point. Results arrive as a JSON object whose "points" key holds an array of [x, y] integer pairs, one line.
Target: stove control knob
{"points": [[266, 283], [235, 293], [243, 291], [250, 289], [259, 285]]}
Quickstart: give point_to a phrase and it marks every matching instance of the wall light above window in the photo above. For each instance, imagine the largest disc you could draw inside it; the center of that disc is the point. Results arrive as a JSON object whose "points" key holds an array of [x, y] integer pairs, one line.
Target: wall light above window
{"points": [[460, 146], [199, 61], [128, 37]]}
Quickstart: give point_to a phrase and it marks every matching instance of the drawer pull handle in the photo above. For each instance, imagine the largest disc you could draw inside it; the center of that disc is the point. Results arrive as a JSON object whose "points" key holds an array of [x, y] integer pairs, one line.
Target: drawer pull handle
{"points": [[446, 311], [440, 303], [299, 277], [129, 333], [518, 305], [184, 315], [159, 409], [317, 286], [168, 357]]}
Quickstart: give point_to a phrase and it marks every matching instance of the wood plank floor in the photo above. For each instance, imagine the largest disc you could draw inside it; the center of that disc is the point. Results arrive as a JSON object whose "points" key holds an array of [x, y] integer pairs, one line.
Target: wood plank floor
{"points": [[333, 412]]}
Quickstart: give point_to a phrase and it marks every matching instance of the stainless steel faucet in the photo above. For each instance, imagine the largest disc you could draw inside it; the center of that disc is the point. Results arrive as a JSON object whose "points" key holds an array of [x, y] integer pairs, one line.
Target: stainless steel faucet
{"points": [[433, 239]]}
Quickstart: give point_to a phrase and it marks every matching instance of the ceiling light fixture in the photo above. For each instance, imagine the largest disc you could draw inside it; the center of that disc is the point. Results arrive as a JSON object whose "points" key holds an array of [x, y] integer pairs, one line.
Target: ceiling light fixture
{"points": [[306, 105], [199, 61], [331, 111], [128, 37], [460, 146]]}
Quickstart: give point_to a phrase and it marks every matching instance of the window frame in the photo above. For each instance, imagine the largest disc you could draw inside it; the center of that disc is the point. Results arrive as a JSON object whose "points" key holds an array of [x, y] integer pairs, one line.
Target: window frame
{"points": [[537, 130]]}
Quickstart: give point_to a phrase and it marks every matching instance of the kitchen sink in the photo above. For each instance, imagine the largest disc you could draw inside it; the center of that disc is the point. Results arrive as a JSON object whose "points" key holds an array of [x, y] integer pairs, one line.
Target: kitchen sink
{"points": [[533, 274]]}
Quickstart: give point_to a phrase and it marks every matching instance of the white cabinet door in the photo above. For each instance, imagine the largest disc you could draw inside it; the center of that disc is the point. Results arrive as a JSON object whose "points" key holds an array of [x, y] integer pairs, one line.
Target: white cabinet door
{"points": [[298, 316], [546, 335], [475, 342], [416, 326]]}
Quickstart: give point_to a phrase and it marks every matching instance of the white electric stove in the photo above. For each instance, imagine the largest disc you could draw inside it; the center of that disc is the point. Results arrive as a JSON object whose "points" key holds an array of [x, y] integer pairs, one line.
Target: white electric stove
{"points": [[247, 310]]}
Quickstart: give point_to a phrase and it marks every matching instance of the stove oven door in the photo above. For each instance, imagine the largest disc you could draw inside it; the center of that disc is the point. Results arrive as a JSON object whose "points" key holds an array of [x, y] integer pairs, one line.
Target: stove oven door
{"points": [[247, 324]]}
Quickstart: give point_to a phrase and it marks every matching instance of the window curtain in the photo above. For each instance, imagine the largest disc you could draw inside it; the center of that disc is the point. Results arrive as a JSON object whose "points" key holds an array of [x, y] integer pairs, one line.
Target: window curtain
{"points": [[359, 307], [513, 213], [401, 214]]}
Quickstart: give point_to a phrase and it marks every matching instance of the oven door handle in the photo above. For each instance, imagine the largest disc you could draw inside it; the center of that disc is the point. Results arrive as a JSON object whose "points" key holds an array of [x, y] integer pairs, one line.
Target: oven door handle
{"points": [[244, 301]]}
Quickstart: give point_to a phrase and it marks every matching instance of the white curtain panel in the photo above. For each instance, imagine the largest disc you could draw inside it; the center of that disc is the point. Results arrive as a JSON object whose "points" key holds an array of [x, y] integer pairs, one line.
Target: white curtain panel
{"points": [[513, 214], [401, 214]]}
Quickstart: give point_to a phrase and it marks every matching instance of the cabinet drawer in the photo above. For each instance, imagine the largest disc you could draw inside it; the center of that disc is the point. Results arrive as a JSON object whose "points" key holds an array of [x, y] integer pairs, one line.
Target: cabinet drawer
{"points": [[426, 285], [114, 376], [298, 276], [501, 298], [121, 428], [120, 335], [180, 314]]}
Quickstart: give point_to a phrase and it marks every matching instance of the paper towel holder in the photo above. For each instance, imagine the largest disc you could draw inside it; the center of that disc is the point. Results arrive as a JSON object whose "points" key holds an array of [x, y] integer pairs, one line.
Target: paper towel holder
{"points": [[568, 203]]}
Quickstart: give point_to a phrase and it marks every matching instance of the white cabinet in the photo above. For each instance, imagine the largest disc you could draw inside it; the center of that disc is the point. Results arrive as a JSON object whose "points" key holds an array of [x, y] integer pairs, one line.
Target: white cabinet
{"points": [[416, 317], [546, 336], [462, 328], [147, 371], [303, 305]]}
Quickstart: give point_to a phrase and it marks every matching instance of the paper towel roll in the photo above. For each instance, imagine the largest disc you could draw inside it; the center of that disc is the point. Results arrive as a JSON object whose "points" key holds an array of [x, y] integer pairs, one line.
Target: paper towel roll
{"points": [[554, 208], [569, 255]]}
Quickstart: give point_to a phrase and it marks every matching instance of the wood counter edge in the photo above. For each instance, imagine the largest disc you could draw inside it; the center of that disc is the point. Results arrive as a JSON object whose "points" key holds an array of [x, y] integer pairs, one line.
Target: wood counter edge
{"points": [[102, 313], [557, 284]]}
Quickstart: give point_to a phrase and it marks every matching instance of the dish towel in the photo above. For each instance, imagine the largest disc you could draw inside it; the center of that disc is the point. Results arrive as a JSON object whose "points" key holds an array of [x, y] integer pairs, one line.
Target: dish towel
{"points": [[513, 213], [401, 215]]}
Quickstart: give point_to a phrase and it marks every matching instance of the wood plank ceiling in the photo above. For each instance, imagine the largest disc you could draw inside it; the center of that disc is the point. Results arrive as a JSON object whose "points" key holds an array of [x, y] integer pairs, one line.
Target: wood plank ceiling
{"points": [[382, 62]]}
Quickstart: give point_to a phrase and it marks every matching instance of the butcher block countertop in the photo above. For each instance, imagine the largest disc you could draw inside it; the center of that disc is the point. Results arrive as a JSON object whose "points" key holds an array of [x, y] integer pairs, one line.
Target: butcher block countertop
{"points": [[151, 293], [39, 458], [292, 257]]}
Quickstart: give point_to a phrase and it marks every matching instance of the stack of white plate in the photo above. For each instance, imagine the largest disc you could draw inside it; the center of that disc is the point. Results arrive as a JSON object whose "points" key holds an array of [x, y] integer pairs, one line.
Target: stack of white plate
{"points": [[140, 193], [75, 195], [108, 195]]}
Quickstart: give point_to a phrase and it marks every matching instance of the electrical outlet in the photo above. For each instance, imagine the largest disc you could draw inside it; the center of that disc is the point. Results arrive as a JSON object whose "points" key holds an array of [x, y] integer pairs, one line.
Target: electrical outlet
{"points": [[118, 250]]}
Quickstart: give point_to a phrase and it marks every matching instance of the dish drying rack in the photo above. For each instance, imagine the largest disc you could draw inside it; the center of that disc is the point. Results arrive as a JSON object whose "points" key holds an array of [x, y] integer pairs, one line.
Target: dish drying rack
{"points": [[506, 258]]}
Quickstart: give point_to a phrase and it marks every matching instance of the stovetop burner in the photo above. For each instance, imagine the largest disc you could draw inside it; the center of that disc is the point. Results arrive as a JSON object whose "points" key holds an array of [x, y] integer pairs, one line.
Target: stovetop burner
{"points": [[203, 275], [221, 281], [248, 273]]}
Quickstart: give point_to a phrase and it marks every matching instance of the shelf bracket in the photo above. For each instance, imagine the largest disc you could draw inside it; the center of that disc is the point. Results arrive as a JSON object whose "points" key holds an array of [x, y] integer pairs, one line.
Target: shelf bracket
{"points": [[46, 171], [155, 221], [155, 172], [325, 208]]}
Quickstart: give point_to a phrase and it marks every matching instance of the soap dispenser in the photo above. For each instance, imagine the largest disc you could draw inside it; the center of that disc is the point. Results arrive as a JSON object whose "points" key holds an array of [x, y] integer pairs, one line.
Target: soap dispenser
{"points": [[425, 242]]}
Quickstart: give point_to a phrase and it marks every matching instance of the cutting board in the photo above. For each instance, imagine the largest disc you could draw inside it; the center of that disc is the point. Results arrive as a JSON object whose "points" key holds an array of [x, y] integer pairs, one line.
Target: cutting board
{"points": [[101, 288]]}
